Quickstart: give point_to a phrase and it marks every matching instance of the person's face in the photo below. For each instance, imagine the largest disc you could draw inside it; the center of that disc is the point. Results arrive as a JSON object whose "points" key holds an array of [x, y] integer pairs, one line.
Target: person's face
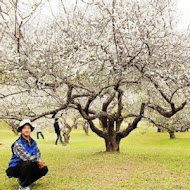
{"points": [[26, 130]]}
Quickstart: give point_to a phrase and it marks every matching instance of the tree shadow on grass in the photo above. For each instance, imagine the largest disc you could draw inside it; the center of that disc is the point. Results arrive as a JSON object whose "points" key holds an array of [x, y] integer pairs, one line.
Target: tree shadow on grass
{"points": [[102, 153], [15, 185], [37, 185]]}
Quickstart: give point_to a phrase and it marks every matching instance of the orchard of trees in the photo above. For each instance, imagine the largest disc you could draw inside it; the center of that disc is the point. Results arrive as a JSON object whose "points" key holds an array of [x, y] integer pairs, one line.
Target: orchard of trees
{"points": [[117, 62]]}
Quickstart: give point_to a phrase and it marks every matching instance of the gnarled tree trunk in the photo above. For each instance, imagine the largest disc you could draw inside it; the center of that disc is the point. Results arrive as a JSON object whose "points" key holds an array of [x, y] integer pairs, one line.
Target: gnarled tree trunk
{"points": [[110, 122], [112, 144], [66, 130], [111, 139]]}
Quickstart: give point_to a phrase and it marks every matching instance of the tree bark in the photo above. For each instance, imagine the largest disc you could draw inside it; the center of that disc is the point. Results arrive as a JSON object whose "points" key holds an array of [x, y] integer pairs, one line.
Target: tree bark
{"points": [[112, 140], [85, 127], [172, 135], [66, 130], [112, 144], [66, 137]]}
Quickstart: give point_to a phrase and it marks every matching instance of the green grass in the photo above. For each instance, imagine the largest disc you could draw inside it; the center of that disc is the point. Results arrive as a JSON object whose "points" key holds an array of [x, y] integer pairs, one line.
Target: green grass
{"points": [[147, 161]]}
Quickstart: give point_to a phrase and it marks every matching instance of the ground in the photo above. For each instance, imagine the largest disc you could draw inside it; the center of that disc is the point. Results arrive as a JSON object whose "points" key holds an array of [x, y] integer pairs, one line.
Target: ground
{"points": [[147, 161]]}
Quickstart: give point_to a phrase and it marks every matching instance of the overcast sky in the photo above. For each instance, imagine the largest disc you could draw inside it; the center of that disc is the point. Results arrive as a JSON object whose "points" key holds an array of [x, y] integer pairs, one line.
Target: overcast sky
{"points": [[183, 10]]}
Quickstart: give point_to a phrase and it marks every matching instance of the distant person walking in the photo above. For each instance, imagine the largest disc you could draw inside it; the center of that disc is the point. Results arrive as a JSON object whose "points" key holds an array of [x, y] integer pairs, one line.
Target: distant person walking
{"points": [[57, 131], [39, 131]]}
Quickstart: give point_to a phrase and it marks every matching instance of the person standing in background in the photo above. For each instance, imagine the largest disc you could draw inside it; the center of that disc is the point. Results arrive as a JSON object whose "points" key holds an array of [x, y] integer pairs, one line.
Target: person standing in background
{"points": [[38, 129], [57, 131]]}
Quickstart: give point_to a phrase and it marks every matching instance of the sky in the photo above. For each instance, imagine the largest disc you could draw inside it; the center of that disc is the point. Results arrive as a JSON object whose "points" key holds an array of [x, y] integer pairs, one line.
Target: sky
{"points": [[183, 10]]}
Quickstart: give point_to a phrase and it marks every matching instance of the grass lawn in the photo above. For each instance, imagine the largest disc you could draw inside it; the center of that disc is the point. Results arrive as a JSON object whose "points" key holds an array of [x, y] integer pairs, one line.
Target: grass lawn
{"points": [[147, 161]]}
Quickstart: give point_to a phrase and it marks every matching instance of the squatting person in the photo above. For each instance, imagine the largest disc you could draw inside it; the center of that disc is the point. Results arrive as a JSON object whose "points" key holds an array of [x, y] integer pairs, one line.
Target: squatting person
{"points": [[25, 163]]}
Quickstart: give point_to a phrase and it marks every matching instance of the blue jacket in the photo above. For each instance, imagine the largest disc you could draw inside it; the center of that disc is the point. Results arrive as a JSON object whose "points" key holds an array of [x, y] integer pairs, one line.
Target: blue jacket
{"points": [[31, 148]]}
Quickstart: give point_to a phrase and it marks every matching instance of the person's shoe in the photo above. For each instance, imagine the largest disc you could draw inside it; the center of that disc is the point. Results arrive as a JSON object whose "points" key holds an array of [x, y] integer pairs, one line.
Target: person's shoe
{"points": [[20, 187], [23, 188]]}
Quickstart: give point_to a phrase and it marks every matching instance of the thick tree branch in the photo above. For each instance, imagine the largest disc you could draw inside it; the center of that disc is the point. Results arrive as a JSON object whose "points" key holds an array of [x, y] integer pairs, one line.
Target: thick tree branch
{"points": [[108, 101], [165, 113], [133, 125]]}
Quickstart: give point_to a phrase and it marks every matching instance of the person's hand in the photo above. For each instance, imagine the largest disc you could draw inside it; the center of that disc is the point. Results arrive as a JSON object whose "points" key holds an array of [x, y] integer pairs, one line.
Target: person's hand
{"points": [[41, 164]]}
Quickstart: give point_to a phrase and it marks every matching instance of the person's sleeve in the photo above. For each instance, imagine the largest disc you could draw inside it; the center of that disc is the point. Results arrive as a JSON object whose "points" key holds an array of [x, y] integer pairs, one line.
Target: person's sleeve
{"points": [[38, 154], [19, 151]]}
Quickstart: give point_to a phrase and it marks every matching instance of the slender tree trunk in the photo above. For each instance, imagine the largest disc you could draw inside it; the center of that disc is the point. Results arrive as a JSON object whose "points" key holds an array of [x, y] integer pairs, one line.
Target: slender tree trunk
{"points": [[13, 127], [75, 126], [85, 128], [66, 137], [172, 135]]}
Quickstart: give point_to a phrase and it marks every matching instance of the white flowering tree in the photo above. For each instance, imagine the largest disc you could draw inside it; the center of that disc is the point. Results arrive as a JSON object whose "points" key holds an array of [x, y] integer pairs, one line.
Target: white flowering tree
{"points": [[92, 56], [21, 93]]}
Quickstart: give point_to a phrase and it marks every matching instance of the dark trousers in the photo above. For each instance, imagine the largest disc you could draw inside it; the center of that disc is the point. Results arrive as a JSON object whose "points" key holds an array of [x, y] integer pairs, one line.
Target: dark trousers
{"points": [[27, 172], [40, 134], [59, 137]]}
